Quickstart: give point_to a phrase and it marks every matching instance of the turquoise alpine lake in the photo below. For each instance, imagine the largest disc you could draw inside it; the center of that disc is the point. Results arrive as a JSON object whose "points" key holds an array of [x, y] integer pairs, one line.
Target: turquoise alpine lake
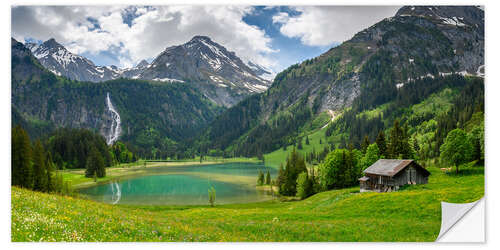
{"points": [[185, 185]]}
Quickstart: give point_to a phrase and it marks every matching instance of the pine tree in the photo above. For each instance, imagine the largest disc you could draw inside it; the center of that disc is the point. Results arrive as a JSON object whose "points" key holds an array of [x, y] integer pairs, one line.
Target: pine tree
{"points": [[95, 164], [307, 140], [399, 146], [365, 144], [90, 168], [280, 180], [50, 182], [394, 140], [21, 158], [408, 152], [100, 168], [260, 179], [299, 144], [304, 185], [39, 171], [268, 178], [294, 166], [476, 136], [15, 157], [382, 146]]}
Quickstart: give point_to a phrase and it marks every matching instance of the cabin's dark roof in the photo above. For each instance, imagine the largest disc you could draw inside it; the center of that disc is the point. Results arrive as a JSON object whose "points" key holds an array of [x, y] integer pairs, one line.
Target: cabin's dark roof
{"points": [[390, 167]]}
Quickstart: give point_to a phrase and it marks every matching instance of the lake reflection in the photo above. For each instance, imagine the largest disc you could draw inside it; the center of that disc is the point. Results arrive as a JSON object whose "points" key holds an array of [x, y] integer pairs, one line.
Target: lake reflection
{"points": [[186, 185]]}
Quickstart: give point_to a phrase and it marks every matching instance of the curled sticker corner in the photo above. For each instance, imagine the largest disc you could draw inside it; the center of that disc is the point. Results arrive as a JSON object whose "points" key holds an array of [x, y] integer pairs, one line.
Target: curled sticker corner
{"points": [[451, 213]]}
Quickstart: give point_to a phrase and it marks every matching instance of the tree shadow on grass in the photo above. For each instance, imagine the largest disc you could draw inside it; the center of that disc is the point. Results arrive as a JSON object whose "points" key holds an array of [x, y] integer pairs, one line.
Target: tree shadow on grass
{"points": [[466, 171]]}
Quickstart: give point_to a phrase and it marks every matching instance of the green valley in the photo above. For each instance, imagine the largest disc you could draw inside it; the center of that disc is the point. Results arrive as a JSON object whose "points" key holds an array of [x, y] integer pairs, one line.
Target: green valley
{"points": [[337, 215], [360, 143]]}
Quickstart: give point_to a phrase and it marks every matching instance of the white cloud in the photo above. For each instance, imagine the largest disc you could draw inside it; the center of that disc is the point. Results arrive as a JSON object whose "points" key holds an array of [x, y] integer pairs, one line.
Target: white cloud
{"points": [[150, 32], [281, 17], [325, 25]]}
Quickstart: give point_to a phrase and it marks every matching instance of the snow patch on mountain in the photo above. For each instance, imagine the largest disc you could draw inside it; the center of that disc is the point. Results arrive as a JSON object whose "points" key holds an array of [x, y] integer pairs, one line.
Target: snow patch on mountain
{"points": [[216, 79], [261, 71], [442, 74], [166, 79], [452, 21], [55, 72]]}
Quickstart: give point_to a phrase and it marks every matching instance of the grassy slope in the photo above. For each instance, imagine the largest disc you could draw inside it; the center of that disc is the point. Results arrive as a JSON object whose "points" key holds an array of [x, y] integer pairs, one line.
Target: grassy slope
{"points": [[435, 104], [339, 215], [276, 157], [314, 129]]}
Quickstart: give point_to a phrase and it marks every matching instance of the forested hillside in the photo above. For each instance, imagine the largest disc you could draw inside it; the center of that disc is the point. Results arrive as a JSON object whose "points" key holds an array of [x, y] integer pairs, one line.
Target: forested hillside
{"points": [[363, 73], [155, 116]]}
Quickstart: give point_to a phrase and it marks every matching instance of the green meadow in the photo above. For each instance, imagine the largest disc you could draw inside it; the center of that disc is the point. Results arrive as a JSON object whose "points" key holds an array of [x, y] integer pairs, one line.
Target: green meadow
{"points": [[275, 158], [412, 214]]}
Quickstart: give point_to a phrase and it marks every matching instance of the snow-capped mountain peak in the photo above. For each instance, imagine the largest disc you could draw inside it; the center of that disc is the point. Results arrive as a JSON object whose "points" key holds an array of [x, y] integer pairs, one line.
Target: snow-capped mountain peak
{"points": [[211, 66], [219, 74], [142, 64], [56, 58]]}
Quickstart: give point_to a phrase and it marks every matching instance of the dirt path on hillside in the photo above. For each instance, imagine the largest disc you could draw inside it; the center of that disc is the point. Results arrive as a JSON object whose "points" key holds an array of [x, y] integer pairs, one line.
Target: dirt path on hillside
{"points": [[333, 115]]}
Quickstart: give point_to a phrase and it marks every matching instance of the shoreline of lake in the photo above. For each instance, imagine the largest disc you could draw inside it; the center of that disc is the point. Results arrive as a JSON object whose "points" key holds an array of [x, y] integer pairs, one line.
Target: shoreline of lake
{"points": [[77, 178], [183, 185]]}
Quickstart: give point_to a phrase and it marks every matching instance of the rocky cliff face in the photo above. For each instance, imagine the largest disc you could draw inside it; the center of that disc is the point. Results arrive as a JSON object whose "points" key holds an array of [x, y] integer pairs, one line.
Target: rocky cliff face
{"points": [[220, 74], [148, 113], [24, 64], [36, 99], [134, 73], [418, 41]]}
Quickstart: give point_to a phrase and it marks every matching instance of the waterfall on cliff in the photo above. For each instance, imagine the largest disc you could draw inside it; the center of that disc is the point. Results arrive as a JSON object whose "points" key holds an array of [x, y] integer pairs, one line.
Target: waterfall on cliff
{"points": [[115, 129]]}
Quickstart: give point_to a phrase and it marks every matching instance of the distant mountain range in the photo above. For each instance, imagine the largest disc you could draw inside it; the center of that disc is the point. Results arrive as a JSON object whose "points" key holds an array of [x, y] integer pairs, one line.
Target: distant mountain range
{"points": [[174, 95], [219, 74]]}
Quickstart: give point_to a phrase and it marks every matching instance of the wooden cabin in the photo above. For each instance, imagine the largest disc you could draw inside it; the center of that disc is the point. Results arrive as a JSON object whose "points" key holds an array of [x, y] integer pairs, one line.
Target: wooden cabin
{"points": [[388, 175]]}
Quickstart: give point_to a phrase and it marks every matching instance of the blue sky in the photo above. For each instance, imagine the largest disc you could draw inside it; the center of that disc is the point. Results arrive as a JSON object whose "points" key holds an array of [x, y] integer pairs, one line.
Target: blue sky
{"points": [[275, 37], [291, 49]]}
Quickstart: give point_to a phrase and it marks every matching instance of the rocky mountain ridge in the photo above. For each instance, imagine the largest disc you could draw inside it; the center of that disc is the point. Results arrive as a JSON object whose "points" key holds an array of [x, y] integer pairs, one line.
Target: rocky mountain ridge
{"points": [[219, 74], [153, 116]]}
